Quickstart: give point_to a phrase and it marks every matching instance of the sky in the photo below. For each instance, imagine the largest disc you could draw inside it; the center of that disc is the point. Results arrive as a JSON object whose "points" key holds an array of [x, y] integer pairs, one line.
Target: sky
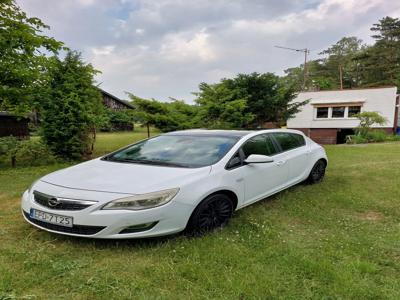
{"points": [[165, 48]]}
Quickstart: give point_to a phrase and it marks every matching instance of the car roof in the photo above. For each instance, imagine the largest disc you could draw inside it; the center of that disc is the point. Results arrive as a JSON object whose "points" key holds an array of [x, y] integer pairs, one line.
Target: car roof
{"points": [[207, 132], [228, 133]]}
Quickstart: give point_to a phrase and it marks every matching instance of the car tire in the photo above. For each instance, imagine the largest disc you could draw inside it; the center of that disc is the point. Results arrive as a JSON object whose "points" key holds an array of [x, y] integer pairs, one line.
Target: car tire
{"points": [[212, 213], [317, 172]]}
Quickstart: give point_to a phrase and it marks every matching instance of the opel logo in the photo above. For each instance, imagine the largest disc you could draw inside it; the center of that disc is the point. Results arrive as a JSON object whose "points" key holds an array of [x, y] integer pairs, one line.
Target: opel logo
{"points": [[53, 202]]}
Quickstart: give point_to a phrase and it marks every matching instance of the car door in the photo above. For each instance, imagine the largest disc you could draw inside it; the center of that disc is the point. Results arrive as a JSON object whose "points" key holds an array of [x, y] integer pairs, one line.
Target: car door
{"points": [[262, 179], [295, 151]]}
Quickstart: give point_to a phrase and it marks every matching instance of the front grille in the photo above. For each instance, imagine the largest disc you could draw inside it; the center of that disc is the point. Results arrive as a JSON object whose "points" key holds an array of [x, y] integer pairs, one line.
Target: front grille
{"points": [[63, 204], [76, 229]]}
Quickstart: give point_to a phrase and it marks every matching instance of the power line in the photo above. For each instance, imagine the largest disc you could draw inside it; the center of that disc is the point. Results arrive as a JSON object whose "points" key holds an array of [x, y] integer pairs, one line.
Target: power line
{"points": [[306, 52]]}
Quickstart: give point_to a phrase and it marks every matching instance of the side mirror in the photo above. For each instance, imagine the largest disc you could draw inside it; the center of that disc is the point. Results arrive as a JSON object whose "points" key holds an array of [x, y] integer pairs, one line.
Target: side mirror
{"points": [[258, 159]]}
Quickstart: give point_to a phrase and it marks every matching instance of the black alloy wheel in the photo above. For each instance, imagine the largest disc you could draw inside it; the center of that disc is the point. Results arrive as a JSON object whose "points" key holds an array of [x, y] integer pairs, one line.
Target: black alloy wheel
{"points": [[317, 173], [212, 213]]}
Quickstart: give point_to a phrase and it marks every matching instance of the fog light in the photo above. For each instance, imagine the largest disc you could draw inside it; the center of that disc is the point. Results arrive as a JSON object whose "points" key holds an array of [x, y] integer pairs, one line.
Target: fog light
{"points": [[138, 228]]}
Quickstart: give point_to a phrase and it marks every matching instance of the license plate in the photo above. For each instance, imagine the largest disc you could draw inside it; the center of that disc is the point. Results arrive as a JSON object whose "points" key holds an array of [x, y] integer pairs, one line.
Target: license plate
{"points": [[51, 218]]}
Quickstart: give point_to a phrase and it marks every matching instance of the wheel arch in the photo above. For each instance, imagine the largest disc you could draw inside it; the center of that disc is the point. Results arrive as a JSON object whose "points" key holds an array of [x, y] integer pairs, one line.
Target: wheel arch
{"points": [[232, 195], [324, 160]]}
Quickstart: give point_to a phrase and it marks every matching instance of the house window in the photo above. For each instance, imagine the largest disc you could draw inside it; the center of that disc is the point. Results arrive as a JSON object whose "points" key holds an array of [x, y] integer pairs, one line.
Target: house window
{"points": [[322, 112], [338, 112], [353, 111]]}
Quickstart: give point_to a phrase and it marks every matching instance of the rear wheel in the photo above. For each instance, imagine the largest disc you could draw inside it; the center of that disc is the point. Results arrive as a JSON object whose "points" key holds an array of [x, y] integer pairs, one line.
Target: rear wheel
{"points": [[212, 213], [317, 172]]}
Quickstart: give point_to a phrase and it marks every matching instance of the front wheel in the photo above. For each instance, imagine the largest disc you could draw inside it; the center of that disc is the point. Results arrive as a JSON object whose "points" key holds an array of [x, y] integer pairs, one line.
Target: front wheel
{"points": [[317, 172], [212, 213]]}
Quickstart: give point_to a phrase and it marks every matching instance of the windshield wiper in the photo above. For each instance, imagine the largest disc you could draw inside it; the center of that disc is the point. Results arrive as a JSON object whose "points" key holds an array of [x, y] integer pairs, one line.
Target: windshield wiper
{"points": [[146, 162], [160, 163]]}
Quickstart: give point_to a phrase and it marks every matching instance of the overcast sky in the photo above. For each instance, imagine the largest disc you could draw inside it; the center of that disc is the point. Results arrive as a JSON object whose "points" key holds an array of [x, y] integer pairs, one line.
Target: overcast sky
{"points": [[161, 48]]}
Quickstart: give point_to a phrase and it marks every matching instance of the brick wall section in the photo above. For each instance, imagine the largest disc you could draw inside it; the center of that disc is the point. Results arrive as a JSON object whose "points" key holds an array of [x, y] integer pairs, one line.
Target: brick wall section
{"points": [[328, 135], [324, 136], [320, 135]]}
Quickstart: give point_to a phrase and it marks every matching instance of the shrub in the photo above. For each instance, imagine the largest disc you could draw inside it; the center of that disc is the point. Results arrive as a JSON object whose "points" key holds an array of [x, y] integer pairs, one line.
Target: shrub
{"points": [[118, 120], [8, 149], [373, 136], [393, 138], [356, 139], [25, 152], [364, 132], [367, 119], [33, 153], [376, 136]]}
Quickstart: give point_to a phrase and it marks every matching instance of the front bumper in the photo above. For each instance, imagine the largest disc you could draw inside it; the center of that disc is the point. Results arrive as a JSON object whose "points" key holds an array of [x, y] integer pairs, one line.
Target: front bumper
{"points": [[92, 222]]}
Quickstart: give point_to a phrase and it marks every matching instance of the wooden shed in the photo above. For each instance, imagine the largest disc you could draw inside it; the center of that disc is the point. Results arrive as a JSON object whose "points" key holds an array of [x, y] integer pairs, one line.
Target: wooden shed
{"points": [[12, 125], [113, 102]]}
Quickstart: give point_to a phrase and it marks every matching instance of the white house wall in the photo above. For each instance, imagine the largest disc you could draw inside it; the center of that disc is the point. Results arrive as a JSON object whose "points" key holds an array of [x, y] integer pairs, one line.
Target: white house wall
{"points": [[381, 100]]}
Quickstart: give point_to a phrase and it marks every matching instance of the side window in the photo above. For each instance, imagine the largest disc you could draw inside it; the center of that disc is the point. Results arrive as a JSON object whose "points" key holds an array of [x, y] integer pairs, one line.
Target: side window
{"points": [[289, 141], [300, 139], [322, 112], [260, 144], [234, 162]]}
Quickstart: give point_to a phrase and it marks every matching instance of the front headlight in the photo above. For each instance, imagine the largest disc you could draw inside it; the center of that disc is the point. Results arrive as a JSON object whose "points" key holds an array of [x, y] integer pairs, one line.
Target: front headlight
{"points": [[144, 201]]}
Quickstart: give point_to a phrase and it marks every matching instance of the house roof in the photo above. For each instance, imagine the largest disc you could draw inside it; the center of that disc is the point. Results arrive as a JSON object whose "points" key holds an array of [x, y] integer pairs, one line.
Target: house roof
{"points": [[355, 89], [8, 114], [127, 104]]}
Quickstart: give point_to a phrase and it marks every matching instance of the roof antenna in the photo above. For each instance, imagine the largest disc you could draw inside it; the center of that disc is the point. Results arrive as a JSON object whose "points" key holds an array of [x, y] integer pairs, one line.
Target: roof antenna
{"points": [[306, 52]]}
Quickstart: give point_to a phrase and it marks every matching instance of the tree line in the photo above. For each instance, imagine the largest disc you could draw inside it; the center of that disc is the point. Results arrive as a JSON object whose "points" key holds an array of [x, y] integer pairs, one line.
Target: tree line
{"points": [[350, 63]]}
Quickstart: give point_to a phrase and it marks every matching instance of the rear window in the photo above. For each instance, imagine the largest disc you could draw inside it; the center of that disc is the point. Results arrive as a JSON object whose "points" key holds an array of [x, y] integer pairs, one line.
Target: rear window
{"points": [[289, 141]]}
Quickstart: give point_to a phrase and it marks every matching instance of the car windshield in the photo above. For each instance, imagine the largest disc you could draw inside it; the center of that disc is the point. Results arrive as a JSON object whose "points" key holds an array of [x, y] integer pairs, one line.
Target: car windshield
{"points": [[190, 151]]}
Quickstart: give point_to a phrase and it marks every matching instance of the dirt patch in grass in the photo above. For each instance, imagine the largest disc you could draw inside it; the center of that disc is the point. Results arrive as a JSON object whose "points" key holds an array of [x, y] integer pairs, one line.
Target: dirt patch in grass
{"points": [[9, 205], [372, 216]]}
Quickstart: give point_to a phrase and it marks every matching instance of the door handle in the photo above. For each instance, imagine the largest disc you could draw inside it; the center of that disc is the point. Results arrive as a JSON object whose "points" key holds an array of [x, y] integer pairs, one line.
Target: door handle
{"points": [[281, 162]]}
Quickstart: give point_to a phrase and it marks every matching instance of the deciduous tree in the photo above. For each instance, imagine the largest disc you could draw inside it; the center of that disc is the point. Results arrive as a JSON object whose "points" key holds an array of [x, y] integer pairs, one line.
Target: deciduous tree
{"points": [[24, 58], [246, 101]]}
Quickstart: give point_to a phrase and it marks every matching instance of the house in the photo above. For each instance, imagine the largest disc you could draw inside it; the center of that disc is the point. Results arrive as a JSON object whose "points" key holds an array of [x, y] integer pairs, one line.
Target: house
{"points": [[11, 125], [329, 116], [113, 102], [117, 105]]}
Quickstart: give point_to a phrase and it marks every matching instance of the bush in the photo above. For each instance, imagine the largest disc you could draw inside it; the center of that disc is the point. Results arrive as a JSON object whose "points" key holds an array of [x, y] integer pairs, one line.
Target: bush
{"points": [[367, 119], [372, 136], [393, 138], [118, 120], [376, 136], [33, 153], [8, 149], [356, 139], [25, 152]]}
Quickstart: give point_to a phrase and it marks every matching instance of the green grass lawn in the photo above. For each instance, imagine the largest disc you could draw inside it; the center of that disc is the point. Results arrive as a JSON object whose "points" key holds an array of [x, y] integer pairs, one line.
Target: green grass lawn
{"points": [[338, 239]]}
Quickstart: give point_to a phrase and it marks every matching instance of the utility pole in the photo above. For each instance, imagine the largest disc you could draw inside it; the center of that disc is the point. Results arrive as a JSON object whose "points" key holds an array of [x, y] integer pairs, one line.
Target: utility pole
{"points": [[305, 71]]}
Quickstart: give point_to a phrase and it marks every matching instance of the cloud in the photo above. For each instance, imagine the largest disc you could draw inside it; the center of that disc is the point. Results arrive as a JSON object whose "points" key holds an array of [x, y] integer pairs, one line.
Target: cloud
{"points": [[178, 48], [163, 48]]}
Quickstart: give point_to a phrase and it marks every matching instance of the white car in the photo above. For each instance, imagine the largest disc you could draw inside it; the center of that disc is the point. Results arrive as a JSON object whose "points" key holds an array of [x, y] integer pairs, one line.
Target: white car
{"points": [[186, 180]]}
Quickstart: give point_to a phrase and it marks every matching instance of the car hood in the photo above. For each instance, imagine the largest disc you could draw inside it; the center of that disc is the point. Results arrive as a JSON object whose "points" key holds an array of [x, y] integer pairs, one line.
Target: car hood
{"points": [[106, 176]]}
